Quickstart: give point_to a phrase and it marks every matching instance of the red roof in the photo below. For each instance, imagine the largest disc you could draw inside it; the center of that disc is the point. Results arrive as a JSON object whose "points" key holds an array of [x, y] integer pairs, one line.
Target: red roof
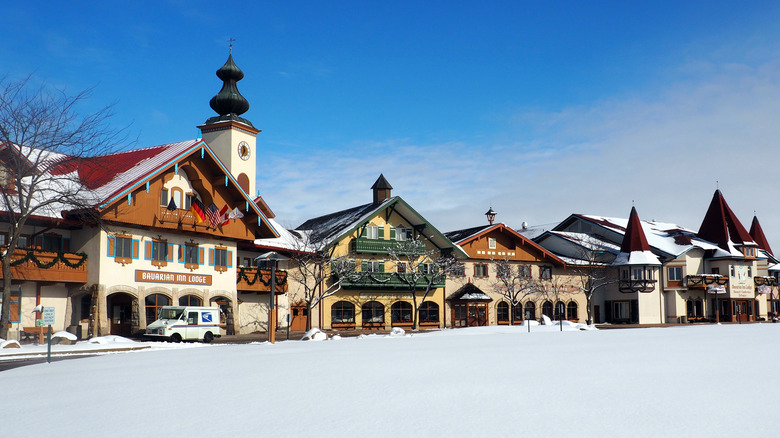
{"points": [[634, 239], [721, 226], [758, 236]]}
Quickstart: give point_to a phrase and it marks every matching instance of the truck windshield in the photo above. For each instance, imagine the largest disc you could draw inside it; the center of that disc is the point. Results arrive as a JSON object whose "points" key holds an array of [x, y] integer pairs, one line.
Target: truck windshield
{"points": [[170, 313]]}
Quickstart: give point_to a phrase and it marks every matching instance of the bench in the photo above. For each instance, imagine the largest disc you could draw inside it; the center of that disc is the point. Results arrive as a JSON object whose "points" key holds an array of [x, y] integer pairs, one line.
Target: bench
{"points": [[40, 332]]}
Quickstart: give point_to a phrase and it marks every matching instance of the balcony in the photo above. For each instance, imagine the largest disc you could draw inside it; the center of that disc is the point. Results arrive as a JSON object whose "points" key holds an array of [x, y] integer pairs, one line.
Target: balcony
{"points": [[701, 281], [37, 265], [259, 280], [386, 280], [631, 286], [379, 246]]}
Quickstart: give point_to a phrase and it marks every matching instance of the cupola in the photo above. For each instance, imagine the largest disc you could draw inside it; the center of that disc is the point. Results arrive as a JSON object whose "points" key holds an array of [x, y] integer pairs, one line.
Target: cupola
{"points": [[381, 190]]}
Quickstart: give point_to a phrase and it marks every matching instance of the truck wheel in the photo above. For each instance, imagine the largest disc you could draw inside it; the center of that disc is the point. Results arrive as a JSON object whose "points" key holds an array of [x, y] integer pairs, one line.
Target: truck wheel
{"points": [[176, 338], [208, 337]]}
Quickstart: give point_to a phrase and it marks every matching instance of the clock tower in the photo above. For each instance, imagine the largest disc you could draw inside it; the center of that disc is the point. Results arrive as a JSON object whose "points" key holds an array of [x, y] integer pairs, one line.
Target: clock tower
{"points": [[231, 137]]}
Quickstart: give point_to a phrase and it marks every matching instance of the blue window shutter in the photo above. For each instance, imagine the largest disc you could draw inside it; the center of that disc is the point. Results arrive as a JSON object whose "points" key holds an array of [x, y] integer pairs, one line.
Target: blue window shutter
{"points": [[111, 249]]}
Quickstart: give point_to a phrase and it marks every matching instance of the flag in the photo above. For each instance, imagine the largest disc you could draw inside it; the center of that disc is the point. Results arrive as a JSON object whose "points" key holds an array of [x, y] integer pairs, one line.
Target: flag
{"points": [[223, 215], [213, 213], [198, 210], [171, 205], [236, 214]]}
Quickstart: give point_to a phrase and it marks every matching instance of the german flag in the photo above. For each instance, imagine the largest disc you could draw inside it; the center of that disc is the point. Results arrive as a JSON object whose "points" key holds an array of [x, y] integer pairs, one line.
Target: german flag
{"points": [[198, 210]]}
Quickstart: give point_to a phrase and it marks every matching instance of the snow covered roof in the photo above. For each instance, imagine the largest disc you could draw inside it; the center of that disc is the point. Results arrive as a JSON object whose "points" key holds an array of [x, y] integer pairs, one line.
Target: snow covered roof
{"points": [[461, 237], [466, 233], [469, 292], [721, 226], [634, 249]]}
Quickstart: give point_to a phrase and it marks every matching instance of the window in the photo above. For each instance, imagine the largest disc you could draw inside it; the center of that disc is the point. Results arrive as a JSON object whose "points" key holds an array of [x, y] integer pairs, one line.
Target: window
{"points": [[429, 312], [524, 271], [401, 312], [124, 247], [491, 243], [620, 310], [428, 268], [52, 242], [480, 270], [502, 312], [545, 272], [716, 271], [153, 304], [373, 266], [178, 197], [641, 274], [192, 255], [342, 312], [547, 309], [530, 310], [675, 273], [373, 313], [164, 197], [221, 259], [571, 311], [372, 232], [458, 270], [159, 252], [23, 242], [402, 234], [3, 239], [694, 308], [460, 315], [400, 267], [517, 313], [190, 300]]}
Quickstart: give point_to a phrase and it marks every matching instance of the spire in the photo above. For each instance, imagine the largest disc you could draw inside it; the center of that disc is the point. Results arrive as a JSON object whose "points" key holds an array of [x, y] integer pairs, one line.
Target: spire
{"points": [[381, 190], [229, 103], [721, 226], [635, 250], [758, 236]]}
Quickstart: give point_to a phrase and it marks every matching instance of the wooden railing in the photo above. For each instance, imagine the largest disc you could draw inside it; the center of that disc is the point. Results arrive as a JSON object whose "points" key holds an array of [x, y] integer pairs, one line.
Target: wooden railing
{"points": [[259, 280], [35, 266]]}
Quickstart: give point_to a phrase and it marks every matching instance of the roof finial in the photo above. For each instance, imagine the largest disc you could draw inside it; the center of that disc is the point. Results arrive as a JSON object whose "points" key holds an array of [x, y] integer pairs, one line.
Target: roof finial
{"points": [[231, 40]]}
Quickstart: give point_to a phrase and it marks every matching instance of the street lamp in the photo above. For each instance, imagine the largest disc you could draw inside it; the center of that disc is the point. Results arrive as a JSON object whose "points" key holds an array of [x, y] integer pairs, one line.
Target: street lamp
{"points": [[491, 215], [273, 258]]}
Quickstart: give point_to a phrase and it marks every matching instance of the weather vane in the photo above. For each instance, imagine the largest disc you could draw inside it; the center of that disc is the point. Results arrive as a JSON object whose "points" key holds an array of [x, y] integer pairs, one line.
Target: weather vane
{"points": [[230, 42]]}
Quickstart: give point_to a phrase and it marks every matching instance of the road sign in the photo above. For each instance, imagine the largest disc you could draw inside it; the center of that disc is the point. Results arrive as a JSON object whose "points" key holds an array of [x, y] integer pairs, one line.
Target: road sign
{"points": [[48, 316]]}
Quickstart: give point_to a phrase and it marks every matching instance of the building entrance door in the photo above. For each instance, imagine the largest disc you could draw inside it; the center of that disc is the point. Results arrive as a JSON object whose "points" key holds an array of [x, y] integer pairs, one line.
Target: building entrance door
{"points": [[477, 315], [742, 310], [120, 310], [299, 318]]}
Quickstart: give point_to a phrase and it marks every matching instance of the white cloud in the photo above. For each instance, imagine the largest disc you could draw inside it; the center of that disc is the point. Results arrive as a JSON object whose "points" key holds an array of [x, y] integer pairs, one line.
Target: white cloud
{"points": [[664, 150]]}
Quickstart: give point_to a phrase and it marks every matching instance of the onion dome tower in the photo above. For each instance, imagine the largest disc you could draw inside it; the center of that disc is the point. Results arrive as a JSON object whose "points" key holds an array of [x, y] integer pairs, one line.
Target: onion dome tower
{"points": [[232, 137]]}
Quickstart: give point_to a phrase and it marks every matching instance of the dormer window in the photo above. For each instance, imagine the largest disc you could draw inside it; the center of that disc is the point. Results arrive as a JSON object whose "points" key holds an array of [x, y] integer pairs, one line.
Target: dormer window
{"points": [[749, 251]]}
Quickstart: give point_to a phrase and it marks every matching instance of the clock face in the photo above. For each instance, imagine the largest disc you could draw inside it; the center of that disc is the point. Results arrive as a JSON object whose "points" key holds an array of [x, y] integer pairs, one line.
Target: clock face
{"points": [[243, 150]]}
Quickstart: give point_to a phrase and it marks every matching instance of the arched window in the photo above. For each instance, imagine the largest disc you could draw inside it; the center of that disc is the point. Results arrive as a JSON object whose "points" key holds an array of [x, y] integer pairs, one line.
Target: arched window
{"points": [[153, 304], [547, 309], [502, 312], [373, 313], [342, 312], [190, 300], [530, 310], [429, 312], [517, 313], [401, 312], [571, 311], [178, 197], [560, 310]]}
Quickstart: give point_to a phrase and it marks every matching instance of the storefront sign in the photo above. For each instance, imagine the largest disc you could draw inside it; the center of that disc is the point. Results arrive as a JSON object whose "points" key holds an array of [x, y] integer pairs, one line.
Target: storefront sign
{"points": [[172, 277]]}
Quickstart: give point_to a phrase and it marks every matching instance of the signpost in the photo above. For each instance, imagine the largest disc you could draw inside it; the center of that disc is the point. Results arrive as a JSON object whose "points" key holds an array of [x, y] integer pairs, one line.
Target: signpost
{"points": [[47, 318]]}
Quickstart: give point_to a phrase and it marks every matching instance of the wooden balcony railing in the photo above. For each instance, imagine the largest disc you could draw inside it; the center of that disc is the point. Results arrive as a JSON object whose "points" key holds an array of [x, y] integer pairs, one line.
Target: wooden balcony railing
{"points": [[387, 280], [259, 280], [36, 265]]}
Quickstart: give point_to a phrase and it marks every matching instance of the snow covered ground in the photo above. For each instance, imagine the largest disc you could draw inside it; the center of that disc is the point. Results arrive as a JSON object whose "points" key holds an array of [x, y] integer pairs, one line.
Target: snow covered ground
{"points": [[714, 380]]}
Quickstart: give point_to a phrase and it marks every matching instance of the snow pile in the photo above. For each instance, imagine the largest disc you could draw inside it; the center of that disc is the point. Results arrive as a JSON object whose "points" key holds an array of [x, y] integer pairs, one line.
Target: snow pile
{"points": [[66, 335], [9, 344], [314, 334], [335, 337], [397, 331], [110, 339]]}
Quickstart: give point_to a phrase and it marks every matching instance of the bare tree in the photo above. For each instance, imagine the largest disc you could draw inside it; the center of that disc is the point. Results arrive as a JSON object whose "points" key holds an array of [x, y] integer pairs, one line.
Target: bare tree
{"points": [[514, 283], [420, 269], [592, 269], [43, 144], [317, 271]]}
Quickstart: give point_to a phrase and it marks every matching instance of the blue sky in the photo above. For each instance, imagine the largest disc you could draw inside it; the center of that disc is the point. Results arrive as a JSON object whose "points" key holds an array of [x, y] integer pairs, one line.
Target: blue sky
{"points": [[540, 109]]}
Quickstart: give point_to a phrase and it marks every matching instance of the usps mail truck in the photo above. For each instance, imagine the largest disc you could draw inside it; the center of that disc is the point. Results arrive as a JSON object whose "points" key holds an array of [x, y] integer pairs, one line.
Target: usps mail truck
{"points": [[185, 323]]}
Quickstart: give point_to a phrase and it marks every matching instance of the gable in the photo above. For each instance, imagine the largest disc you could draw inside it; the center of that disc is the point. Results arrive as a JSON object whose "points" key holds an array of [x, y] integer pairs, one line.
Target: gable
{"points": [[198, 173], [502, 242]]}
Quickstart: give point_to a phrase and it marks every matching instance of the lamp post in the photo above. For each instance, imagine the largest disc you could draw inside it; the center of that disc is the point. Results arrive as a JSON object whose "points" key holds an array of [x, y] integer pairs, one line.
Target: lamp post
{"points": [[491, 215], [273, 258]]}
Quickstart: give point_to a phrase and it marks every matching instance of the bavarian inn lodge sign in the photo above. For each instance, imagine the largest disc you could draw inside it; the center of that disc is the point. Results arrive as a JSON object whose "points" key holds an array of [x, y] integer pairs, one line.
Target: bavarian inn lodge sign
{"points": [[172, 277]]}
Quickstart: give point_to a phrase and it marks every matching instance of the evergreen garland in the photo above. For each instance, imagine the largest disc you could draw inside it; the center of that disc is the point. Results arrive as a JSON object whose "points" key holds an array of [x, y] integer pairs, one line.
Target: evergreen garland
{"points": [[30, 256], [258, 277]]}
